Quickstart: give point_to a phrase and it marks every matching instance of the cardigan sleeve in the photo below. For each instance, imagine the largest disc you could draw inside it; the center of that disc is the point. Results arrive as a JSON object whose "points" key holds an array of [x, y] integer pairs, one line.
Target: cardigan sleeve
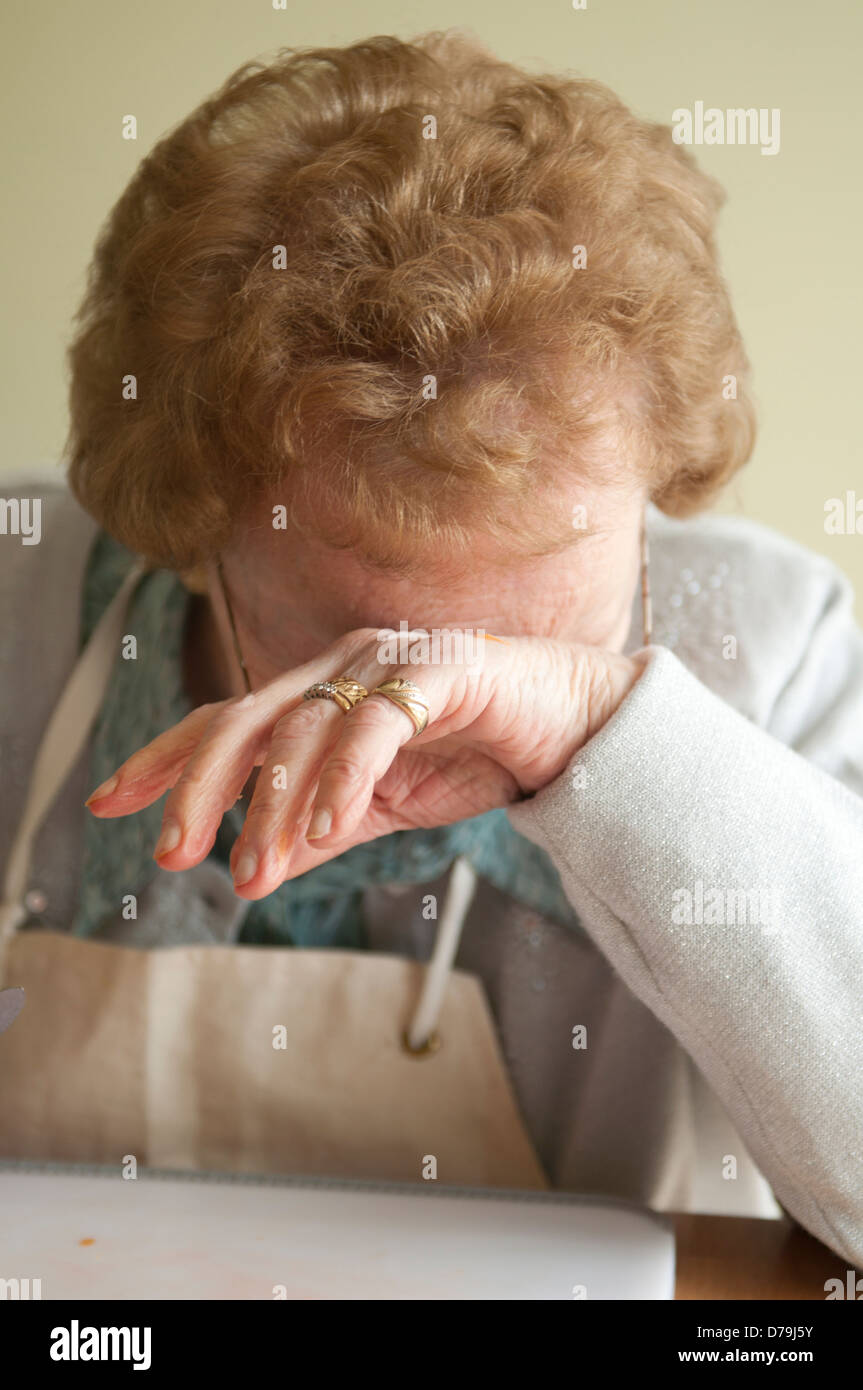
{"points": [[718, 866]]}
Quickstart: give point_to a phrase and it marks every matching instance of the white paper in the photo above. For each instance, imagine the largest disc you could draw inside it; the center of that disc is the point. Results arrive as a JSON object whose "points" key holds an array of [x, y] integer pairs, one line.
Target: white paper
{"points": [[193, 1237]]}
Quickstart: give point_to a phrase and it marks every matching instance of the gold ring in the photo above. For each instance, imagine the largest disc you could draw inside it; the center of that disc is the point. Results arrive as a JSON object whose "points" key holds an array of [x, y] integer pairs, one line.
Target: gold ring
{"points": [[343, 689], [409, 698]]}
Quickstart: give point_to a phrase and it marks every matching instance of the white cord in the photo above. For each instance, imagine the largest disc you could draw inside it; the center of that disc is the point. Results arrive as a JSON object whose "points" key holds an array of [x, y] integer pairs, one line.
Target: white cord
{"points": [[462, 886]]}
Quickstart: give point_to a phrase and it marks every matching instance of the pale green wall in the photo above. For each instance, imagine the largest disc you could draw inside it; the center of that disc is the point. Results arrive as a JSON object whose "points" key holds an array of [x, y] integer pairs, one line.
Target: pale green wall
{"points": [[790, 234]]}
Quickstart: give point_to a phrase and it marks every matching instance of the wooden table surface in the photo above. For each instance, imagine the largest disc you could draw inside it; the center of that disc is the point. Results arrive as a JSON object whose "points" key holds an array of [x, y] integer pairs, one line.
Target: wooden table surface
{"points": [[741, 1257]]}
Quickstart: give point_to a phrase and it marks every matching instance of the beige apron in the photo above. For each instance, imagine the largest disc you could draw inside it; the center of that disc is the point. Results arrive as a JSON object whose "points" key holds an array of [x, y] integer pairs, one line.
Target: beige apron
{"points": [[243, 1058]]}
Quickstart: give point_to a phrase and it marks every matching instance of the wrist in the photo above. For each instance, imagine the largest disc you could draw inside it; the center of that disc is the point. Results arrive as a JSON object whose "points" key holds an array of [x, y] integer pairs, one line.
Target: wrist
{"points": [[612, 678]]}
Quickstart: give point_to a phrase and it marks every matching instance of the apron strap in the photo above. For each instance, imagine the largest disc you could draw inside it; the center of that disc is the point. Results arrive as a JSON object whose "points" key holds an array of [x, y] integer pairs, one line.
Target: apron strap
{"points": [[60, 746], [420, 1035]]}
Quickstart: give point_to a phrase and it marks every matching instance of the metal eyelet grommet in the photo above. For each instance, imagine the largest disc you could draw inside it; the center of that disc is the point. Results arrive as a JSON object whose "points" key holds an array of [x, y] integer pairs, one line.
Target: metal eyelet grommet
{"points": [[431, 1044]]}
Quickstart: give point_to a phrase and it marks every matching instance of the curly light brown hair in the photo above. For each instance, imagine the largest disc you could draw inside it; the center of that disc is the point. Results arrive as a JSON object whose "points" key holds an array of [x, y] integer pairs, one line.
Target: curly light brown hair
{"points": [[349, 282]]}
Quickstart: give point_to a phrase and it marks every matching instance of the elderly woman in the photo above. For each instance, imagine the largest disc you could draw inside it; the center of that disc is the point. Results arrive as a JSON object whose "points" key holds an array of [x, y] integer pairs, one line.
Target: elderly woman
{"points": [[384, 347]]}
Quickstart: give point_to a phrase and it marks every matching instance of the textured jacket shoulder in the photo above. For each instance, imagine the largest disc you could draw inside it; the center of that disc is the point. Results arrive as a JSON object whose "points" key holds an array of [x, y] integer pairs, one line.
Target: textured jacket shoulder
{"points": [[738, 604]]}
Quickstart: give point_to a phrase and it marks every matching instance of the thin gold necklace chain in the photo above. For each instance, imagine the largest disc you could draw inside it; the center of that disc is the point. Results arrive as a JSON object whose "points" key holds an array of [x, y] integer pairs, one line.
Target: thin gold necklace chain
{"points": [[646, 605], [237, 648]]}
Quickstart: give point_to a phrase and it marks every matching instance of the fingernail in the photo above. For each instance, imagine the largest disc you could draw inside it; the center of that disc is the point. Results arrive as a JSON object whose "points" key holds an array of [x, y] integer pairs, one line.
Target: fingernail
{"points": [[105, 789], [246, 867], [320, 824], [170, 837]]}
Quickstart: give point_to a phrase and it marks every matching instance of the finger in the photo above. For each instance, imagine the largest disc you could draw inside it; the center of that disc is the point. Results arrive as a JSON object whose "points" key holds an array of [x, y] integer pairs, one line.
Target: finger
{"points": [[372, 735], [210, 783], [281, 802], [144, 777], [235, 741], [216, 769]]}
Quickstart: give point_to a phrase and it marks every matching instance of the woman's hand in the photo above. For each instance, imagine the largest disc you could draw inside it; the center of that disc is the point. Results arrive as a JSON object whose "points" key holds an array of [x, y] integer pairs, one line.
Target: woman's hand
{"points": [[499, 729]]}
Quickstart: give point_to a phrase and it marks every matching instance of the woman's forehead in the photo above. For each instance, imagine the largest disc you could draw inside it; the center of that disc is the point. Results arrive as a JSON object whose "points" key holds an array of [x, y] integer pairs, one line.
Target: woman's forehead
{"points": [[276, 572]]}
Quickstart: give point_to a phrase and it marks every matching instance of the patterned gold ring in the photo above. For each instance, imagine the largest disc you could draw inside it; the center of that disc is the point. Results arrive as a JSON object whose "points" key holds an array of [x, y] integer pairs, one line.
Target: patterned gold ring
{"points": [[409, 698], [344, 690]]}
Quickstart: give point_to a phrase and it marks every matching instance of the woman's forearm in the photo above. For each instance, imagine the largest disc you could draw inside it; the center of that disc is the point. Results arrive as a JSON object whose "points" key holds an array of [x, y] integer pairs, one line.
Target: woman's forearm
{"points": [[721, 874]]}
